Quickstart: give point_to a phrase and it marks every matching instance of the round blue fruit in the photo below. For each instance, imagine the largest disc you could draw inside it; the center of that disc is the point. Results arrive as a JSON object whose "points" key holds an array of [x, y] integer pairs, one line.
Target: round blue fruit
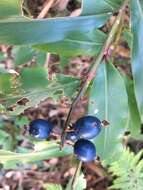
{"points": [[40, 128], [85, 150], [71, 136], [87, 127]]}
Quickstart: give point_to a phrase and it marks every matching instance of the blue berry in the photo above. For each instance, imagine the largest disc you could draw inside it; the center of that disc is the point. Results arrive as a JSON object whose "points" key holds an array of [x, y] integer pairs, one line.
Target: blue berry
{"points": [[71, 136], [85, 150], [87, 127], [40, 128]]}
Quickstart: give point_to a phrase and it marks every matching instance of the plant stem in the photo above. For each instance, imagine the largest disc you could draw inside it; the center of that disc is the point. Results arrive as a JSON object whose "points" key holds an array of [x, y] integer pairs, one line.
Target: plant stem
{"points": [[117, 39], [92, 71], [76, 175], [45, 9]]}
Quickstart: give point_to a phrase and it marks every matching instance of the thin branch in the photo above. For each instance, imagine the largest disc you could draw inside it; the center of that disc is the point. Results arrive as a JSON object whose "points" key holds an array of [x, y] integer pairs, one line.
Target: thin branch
{"points": [[117, 39], [46, 8], [48, 56], [92, 71]]}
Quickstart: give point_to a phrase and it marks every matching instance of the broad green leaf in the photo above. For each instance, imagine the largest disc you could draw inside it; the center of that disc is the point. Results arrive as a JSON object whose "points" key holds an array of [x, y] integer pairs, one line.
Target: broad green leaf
{"points": [[135, 122], [137, 51], [50, 186], [77, 44], [102, 6], [25, 31], [22, 54], [34, 87], [9, 8], [32, 78], [108, 101], [34, 97], [47, 153], [47, 30]]}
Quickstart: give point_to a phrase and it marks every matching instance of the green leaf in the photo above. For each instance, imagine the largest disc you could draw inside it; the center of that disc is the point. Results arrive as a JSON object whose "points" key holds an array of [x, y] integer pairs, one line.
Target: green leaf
{"points": [[22, 54], [77, 44], [9, 8], [135, 121], [52, 150], [108, 96], [41, 58], [34, 87], [32, 78], [102, 6], [47, 30], [50, 186], [137, 51]]}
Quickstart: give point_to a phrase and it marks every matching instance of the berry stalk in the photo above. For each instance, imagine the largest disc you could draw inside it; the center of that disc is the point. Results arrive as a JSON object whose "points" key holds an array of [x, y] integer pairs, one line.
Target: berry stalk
{"points": [[92, 71]]}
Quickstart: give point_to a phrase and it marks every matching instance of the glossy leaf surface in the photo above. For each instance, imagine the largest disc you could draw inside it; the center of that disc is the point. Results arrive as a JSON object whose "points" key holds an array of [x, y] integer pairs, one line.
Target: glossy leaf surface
{"points": [[108, 100], [77, 44], [137, 51]]}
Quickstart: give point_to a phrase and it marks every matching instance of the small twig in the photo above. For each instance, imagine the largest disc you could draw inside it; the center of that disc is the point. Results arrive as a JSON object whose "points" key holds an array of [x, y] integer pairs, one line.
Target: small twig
{"points": [[23, 8], [117, 39], [76, 175], [93, 69], [48, 56], [46, 8]]}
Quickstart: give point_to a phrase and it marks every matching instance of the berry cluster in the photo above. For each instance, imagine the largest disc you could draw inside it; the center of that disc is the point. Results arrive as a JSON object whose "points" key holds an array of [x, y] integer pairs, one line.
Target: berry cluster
{"points": [[85, 128]]}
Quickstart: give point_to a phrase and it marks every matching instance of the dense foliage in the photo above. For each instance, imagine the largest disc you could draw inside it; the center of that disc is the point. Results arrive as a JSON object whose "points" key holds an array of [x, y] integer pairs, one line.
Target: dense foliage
{"points": [[114, 95]]}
